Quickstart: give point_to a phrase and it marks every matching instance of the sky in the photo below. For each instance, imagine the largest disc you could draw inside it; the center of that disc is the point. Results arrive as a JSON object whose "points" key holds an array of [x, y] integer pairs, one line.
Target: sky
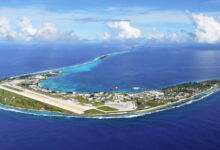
{"points": [[73, 21]]}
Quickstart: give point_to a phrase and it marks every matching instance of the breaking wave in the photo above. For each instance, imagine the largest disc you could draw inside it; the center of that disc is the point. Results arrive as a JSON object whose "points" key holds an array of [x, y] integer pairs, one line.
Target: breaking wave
{"points": [[113, 116], [89, 65]]}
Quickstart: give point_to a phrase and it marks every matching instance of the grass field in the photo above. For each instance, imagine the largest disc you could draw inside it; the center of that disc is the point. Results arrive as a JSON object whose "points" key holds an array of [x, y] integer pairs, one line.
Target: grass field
{"points": [[93, 112], [15, 100], [12, 88], [107, 108]]}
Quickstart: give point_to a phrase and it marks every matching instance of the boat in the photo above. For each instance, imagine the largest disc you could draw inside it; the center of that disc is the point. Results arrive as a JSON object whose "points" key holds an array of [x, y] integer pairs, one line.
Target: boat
{"points": [[136, 88], [114, 88]]}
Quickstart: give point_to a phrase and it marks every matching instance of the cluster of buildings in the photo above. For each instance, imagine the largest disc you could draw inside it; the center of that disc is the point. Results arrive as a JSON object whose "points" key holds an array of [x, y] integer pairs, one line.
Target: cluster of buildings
{"points": [[176, 96], [33, 81], [151, 94], [119, 101]]}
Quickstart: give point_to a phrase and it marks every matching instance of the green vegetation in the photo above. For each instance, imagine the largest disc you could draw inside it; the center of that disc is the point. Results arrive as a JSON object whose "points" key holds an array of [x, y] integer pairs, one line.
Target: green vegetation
{"points": [[83, 101], [145, 99], [107, 108], [175, 93], [142, 103], [55, 96], [98, 103], [44, 74], [93, 112], [12, 88], [191, 87], [5, 79], [25, 76], [26, 86], [103, 57], [65, 97], [15, 100]]}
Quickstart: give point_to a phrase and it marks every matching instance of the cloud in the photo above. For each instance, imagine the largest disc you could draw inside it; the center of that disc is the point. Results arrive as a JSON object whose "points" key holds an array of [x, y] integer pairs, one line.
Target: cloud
{"points": [[49, 32], [125, 30], [106, 36], [99, 16], [172, 37], [90, 19], [159, 36], [180, 38], [5, 29], [27, 31], [207, 29]]}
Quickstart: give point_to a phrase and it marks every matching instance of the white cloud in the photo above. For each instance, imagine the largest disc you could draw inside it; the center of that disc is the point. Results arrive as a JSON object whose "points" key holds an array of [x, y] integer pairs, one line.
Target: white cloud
{"points": [[4, 26], [27, 31], [207, 29], [106, 36], [47, 33], [26, 26], [174, 37], [180, 38], [156, 36], [169, 37], [5, 29], [68, 36], [125, 30]]}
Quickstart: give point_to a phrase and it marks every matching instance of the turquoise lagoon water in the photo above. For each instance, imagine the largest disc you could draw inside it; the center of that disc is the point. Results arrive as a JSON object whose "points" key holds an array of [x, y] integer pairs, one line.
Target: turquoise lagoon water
{"points": [[145, 68], [194, 125], [62, 82]]}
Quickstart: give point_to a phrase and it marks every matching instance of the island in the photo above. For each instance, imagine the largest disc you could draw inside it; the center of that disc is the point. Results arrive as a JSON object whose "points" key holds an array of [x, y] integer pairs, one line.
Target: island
{"points": [[103, 57], [25, 92]]}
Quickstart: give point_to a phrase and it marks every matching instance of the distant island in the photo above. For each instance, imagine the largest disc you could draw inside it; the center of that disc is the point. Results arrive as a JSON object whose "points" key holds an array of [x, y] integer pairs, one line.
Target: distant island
{"points": [[24, 92], [103, 57]]}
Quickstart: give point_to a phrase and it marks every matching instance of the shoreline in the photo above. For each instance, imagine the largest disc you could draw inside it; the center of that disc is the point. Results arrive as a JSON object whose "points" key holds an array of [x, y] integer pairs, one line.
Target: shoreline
{"points": [[116, 114], [154, 109], [79, 109], [101, 104]]}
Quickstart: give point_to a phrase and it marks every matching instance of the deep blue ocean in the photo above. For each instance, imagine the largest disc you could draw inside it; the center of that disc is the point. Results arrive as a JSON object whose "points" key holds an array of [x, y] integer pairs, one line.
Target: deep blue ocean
{"points": [[195, 126]]}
